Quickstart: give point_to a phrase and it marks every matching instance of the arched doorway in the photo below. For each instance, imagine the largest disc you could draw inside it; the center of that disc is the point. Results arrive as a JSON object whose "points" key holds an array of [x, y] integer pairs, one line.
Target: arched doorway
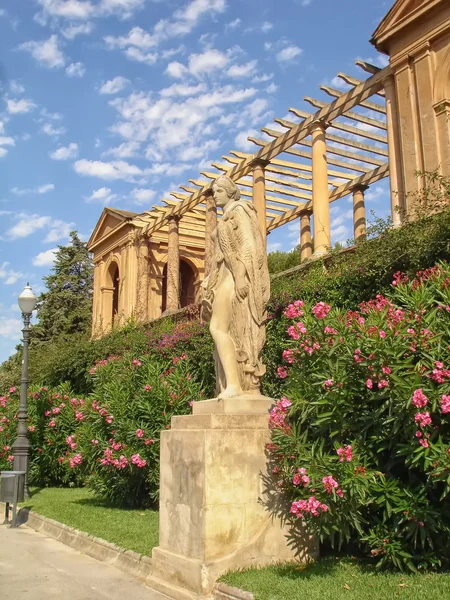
{"points": [[115, 298], [187, 285]]}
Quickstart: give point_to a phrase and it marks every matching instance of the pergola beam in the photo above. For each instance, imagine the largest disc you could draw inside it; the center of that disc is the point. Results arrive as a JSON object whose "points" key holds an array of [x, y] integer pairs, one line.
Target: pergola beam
{"points": [[366, 103], [355, 82], [350, 114]]}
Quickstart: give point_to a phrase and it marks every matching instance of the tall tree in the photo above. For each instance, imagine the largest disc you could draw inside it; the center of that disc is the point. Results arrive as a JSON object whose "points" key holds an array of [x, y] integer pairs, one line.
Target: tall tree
{"points": [[66, 307]]}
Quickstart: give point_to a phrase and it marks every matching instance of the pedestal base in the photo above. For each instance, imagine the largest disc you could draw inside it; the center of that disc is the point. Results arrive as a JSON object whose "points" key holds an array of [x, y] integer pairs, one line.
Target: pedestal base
{"points": [[216, 511], [245, 404]]}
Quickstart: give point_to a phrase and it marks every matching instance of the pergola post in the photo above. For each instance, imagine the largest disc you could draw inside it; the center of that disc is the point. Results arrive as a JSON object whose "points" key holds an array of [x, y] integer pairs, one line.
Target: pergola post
{"points": [[143, 276], [305, 236], [394, 153], [359, 212], [210, 227], [259, 194], [173, 266], [320, 194]]}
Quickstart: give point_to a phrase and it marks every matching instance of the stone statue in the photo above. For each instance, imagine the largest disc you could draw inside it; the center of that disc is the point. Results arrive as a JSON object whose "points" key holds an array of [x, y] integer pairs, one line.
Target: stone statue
{"points": [[235, 294]]}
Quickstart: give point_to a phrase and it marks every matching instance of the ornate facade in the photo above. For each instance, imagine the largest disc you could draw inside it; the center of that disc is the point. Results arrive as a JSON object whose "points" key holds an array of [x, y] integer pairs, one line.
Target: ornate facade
{"points": [[392, 124]]}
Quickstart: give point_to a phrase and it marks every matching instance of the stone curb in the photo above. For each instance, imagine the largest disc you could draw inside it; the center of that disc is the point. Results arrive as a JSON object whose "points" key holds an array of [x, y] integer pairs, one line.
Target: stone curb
{"points": [[226, 592], [130, 562]]}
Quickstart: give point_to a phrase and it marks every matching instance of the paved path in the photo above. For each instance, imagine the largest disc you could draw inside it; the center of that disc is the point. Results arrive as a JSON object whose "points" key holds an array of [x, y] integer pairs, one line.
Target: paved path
{"points": [[35, 567]]}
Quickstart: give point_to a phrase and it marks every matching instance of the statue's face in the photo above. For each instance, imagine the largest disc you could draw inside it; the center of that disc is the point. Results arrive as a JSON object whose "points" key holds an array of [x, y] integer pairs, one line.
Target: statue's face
{"points": [[221, 197]]}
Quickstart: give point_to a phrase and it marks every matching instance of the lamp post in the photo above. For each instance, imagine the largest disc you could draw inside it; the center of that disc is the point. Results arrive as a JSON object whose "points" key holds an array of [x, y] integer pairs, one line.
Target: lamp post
{"points": [[21, 447]]}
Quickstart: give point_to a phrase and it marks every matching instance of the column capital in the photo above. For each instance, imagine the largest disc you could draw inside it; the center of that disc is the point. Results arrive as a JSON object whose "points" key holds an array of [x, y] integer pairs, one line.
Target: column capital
{"points": [[259, 162], [307, 212], [320, 124], [359, 187], [173, 218], [208, 193]]}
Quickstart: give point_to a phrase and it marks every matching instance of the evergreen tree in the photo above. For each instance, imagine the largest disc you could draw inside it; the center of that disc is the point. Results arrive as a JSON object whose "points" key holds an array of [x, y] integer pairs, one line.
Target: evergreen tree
{"points": [[66, 307]]}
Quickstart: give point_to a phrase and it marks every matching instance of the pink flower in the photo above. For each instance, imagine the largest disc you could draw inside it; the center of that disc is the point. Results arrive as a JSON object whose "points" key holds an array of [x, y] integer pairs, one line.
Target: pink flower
{"points": [[75, 461], [79, 416], [139, 433], [423, 419], [137, 362], [52, 423], [419, 399], [383, 383], [31, 428], [147, 388], [109, 419], [328, 383], [386, 370], [94, 442], [382, 334], [47, 413], [282, 372], [288, 356], [61, 459], [296, 480], [329, 483], [294, 310], [330, 330], [340, 493], [345, 454], [321, 310], [12, 390], [138, 461], [424, 443], [419, 434], [445, 404], [148, 442], [10, 458], [311, 506], [369, 384], [56, 410]]}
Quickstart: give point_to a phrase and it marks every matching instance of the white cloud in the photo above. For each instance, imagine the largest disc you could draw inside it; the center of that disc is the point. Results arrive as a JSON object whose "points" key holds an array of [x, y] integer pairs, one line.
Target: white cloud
{"points": [[138, 55], [16, 87], [5, 141], [233, 24], [41, 189], [125, 150], [340, 234], [53, 116], [339, 83], [103, 196], [21, 106], [272, 88], [176, 70], [27, 224], [10, 329], [207, 62], [273, 246], [79, 10], [246, 70], [8, 275], [115, 85], [46, 52], [182, 89], [266, 27], [72, 31], [183, 21], [142, 196], [65, 152], [75, 70], [374, 193], [46, 258], [47, 187], [51, 131], [109, 171], [289, 53], [243, 143]]}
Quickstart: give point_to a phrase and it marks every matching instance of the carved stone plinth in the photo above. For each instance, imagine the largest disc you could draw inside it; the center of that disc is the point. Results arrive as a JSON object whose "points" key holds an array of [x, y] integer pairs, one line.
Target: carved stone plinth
{"points": [[215, 500]]}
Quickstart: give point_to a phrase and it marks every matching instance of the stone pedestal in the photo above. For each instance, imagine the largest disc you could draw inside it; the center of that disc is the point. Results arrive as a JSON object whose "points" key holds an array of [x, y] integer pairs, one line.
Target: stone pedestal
{"points": [[215, 507]]}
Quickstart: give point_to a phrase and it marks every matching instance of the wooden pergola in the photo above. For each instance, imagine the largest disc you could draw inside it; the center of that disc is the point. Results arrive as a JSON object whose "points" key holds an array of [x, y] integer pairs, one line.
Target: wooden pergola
{"points": [[305, 163]]}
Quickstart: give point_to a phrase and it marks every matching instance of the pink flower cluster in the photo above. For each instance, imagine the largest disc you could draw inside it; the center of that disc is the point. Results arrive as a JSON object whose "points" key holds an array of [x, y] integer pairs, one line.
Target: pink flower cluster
{"points": [[311, 506], [294, 310], [278, 413], [321, 310], [139, 433], [423, 419], [288, 355], [295, 330], [328, 383], [419, 400], [301, 477], [439, 374], [329, 483], [445, 404], [79, 416], [138, 461], [147, 388], [282, 372], [118, 463], [345, 454], [75, 461], [399, 278], [70, 442]]}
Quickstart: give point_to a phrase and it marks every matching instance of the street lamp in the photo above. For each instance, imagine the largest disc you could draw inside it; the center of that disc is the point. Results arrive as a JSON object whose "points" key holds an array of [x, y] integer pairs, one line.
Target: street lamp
{"points": [[21, 447]]}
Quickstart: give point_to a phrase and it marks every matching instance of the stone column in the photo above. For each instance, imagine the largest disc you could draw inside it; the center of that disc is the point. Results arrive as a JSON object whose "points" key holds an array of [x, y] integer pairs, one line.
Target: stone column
{"points": [[359, 212], [259, 194], [107, 308], [142, 279], [320, 194], [210, 227], [305, 236], [394, 152], [173, 267], [442, 111]]}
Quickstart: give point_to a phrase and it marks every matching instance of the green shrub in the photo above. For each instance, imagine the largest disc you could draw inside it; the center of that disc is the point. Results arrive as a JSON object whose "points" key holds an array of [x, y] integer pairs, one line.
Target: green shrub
{"points": [[51, 418], [361, 441], [118, 443]]}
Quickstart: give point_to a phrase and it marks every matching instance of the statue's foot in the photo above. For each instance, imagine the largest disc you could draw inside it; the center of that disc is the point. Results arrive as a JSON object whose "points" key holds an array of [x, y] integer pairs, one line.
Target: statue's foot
{"points": [[231, 391]]}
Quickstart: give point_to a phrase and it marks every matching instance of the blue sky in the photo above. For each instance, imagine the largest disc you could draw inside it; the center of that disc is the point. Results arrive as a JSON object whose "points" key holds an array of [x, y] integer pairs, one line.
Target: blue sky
{"points": [[117, 102]]}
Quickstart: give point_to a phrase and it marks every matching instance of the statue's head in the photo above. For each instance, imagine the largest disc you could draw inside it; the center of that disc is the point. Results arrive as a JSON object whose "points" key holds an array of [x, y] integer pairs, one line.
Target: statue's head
{"points": [[224, 190]]}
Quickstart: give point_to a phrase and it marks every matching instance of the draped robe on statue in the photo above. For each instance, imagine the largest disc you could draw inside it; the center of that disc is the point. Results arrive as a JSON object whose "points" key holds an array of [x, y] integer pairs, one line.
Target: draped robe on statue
{"points": [[239, 239]]}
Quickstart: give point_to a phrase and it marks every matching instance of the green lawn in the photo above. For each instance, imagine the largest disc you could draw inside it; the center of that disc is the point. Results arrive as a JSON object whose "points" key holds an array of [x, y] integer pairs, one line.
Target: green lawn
{"points": [[338, 579], [131, 529]]}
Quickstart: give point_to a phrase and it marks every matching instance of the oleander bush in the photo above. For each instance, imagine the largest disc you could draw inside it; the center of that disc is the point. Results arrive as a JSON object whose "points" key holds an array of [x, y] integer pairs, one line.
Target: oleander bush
{"points": [[361, 437]]}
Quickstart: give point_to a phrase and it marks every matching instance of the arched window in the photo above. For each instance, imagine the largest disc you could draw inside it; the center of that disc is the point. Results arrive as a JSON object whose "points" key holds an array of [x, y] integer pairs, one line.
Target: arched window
{"points": [[187, 286]]}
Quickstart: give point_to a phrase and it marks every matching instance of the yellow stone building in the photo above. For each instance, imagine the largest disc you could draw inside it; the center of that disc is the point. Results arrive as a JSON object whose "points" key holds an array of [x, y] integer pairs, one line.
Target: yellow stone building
{"points": [[392, 124]]}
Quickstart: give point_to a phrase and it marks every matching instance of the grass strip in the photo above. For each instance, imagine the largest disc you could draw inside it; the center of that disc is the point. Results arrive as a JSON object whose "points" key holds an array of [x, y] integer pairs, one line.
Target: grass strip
{"points": [[77, 507], [338, 579]]}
